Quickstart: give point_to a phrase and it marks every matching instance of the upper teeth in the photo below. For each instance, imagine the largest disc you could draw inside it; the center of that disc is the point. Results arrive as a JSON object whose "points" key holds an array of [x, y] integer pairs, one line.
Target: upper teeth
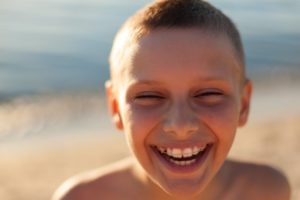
{"points": [[179, 153]]}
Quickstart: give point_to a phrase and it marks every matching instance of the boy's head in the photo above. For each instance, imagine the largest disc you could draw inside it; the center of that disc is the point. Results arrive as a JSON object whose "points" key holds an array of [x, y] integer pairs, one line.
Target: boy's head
{"points": [[178, 91], [166, 14]]}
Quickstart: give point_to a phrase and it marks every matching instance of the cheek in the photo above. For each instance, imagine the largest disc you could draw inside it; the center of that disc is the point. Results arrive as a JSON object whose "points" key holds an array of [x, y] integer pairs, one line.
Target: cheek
{"points": [[141, 120], [222, 119], [138, 124]]}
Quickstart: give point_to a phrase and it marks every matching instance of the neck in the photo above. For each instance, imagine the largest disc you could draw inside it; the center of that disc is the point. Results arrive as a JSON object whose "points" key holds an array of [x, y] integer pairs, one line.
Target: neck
{"points": [[151, 190]]}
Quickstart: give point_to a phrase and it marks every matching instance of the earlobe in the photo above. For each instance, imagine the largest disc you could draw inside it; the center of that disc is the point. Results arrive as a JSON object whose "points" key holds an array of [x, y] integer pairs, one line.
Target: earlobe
{"points": [[118, 121], [245, 103], [113, 105]]}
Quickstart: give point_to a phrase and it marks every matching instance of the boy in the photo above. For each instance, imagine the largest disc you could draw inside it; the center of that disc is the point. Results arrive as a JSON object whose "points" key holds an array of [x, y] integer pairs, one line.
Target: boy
{"points": [[178, 90]]}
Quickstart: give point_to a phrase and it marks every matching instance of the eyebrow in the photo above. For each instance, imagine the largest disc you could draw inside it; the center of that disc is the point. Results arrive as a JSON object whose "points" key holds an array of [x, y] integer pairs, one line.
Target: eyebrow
{"points": [[199, 80], [146, 82]]}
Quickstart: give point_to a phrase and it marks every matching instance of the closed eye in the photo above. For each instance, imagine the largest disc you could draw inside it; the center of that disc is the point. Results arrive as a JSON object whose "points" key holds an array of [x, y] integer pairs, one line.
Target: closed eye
{"points": [[209, 93], [209, 97], [149, 99]]}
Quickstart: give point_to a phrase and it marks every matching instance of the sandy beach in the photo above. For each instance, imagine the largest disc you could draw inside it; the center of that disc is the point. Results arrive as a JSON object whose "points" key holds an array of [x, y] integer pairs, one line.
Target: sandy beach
{"points": [[53, 65], [32, 169]]}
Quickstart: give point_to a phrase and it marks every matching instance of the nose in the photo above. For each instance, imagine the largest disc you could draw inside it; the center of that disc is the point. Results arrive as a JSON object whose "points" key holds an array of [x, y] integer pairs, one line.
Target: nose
{"points": [[181, 121]]}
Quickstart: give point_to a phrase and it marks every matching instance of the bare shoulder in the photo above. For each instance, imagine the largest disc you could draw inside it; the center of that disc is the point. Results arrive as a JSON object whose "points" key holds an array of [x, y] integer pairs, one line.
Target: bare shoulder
{"points": [[97, 183], [260, 181]]}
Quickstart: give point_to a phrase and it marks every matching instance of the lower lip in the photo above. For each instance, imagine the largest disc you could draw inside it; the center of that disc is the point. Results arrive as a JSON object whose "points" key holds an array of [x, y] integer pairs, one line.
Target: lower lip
{"points": [[184, 168]]}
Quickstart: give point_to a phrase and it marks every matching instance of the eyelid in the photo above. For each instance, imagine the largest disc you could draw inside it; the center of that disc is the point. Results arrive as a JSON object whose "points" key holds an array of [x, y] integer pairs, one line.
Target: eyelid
{"points": [[210, 92], [148, 99], [149, 95]]}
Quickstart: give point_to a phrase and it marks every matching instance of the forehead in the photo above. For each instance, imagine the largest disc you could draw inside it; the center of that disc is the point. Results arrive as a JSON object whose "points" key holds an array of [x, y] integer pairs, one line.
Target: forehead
{"points": [[205, 52]]}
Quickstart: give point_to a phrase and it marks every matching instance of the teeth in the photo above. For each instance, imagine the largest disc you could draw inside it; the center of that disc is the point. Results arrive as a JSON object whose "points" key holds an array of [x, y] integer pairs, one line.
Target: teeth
{"points": [[202, 148], [179, 153], [195, 150], [161, 149], [182, 163], [187, 152]]}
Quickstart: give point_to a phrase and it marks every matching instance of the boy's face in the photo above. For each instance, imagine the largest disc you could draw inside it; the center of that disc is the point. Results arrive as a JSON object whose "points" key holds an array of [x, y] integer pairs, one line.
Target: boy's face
{"points": [[179, 99]]}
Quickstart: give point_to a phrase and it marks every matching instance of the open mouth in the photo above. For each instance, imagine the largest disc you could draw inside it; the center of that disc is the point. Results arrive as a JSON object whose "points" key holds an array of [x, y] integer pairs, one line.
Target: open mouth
{"points": [[182, 158]]}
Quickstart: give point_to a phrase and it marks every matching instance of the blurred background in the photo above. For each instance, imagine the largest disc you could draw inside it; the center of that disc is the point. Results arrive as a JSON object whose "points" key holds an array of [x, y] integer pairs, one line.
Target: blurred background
{"points": [[53, 65]]}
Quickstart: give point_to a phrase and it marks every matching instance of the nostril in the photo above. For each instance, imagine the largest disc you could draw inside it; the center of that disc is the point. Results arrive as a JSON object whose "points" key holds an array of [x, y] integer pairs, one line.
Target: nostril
{"points": [[181, 127], [180, 119]]}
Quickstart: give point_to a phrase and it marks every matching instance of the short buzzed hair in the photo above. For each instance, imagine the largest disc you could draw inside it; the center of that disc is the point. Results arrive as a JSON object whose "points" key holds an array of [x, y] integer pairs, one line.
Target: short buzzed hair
{"points": [[175, 14]]}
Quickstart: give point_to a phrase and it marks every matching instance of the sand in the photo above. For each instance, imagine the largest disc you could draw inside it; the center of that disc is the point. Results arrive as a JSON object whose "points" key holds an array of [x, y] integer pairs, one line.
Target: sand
{"points": [[32, 169], [32, 172]]}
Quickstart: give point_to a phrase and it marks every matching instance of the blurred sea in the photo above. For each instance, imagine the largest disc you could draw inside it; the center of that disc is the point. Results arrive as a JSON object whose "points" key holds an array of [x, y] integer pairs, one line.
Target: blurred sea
{"points": [[53, 57]]}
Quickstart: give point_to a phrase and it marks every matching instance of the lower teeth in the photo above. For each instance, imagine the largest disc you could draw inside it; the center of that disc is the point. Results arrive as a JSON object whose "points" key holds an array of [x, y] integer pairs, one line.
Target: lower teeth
{"points": [[182, 163]]}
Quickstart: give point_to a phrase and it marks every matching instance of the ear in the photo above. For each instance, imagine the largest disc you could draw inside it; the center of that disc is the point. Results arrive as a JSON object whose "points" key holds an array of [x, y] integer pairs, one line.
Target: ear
{"points": [[245, 102], [113, 105]]}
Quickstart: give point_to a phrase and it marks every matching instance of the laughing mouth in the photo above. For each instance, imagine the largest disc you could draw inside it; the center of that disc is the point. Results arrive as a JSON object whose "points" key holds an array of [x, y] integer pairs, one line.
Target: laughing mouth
{"points": [[182, 156]]}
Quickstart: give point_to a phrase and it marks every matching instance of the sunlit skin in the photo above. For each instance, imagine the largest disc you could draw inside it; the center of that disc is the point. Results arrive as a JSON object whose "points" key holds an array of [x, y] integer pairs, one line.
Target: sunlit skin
{"points": [[181, 88]]}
